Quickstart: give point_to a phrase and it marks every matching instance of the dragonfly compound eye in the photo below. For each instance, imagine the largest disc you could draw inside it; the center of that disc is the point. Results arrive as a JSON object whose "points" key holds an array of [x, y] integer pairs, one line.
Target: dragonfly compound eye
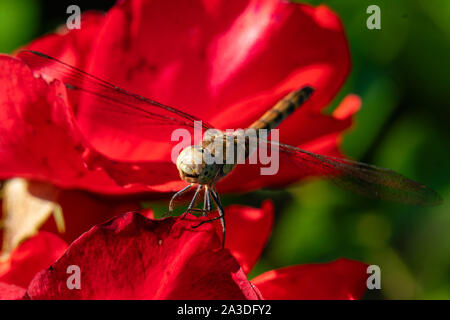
{"points": [[193, 168]]}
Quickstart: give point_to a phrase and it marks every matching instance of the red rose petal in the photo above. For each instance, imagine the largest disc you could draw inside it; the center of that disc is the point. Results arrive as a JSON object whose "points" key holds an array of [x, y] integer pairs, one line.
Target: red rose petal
{"points": [[37, 137], [132, 257], [30, 257], [40, 139], [342, 279], [248, 230], [11, 292]]}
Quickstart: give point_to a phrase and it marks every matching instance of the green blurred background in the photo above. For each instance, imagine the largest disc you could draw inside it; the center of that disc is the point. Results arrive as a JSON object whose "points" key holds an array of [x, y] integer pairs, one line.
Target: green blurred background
{"points": [[402, 74]]}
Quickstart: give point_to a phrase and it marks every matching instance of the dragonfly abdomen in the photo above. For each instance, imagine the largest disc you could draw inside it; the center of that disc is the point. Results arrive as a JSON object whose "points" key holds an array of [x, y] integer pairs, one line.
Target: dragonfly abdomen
{"points": [[284, 108]]}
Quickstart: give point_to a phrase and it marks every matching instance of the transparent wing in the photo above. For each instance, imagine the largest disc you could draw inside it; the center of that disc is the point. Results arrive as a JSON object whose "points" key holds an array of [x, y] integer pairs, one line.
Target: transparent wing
{"points": [[360, 178], [119, 104]]}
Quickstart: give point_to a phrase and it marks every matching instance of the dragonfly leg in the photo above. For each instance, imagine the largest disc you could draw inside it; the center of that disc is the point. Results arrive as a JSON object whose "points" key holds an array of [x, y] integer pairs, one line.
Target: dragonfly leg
{"points": [[216, 199], [206, 202], [176, 195], [191, 205]]}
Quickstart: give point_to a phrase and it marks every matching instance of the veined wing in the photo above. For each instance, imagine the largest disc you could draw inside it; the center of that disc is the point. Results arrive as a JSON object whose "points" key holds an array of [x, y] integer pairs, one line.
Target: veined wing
{"points": [[361, 178], [107, 96]]}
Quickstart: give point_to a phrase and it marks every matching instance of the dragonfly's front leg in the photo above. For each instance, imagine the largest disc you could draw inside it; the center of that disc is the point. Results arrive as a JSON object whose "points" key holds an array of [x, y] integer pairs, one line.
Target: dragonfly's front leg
{"points": [[176, 195], [206, 202], [191, 205], [216, 199]]}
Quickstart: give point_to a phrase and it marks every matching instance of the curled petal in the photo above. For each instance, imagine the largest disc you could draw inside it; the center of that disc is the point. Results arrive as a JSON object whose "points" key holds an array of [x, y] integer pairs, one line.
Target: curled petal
{"points": [[132, 257], [342, 279]]}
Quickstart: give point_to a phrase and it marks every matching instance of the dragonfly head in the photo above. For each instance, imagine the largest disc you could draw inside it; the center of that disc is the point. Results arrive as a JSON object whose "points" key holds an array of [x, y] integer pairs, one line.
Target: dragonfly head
{"points": [[193, 168]]}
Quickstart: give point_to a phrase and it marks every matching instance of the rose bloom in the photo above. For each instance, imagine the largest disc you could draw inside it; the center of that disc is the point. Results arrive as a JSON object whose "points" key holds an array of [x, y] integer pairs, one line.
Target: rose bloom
{"points": [[133, 257], [226, 62]]}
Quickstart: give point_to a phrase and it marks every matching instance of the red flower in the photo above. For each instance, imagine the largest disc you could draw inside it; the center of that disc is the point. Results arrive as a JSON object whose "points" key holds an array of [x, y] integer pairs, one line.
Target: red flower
{"points": [[226, 62], [132, 257]]}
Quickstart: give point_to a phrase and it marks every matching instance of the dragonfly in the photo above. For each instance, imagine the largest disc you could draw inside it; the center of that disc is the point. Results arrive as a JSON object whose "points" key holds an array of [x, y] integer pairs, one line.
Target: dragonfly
{"points": [[358, 177]]}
